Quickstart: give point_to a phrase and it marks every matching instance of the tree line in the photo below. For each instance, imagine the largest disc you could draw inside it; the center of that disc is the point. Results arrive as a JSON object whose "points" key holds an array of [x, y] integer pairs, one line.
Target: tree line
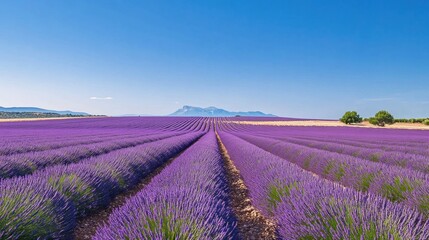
{"points": [[381, 118]]}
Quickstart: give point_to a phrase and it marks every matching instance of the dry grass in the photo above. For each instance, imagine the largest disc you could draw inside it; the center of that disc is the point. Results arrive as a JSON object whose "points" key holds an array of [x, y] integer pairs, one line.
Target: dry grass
{"points": [[326, 123]]}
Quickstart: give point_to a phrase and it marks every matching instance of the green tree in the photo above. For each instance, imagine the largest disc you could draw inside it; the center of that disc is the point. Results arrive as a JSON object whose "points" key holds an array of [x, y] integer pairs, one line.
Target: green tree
{"points": [[426, 122], [351, 117], [382, 118]]}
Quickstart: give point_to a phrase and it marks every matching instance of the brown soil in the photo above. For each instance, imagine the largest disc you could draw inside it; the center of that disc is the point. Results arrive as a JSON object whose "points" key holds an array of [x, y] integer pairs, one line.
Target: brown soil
{"points": [[87, 227], [251, 223]]}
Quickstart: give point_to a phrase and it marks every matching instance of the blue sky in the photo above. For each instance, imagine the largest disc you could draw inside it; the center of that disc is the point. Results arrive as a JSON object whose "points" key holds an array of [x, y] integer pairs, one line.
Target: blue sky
{"points": [[300, 58]]}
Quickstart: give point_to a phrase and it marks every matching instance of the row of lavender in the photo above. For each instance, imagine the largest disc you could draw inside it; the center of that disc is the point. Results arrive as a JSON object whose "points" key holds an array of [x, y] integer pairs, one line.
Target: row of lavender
{"points": [[421, 147], [27, 163], [395, 175], [42, 141], [105, 123], [187, 200], [303, 205], [48, 203], [417, 162], [308, 207], [394, 183], [400, 140], [28, 156], [109, 156], [35, 136]]}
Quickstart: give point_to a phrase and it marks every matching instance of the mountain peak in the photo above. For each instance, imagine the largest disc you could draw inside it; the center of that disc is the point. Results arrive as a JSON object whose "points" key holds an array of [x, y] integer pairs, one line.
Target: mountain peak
{"points": [[211, 111]]}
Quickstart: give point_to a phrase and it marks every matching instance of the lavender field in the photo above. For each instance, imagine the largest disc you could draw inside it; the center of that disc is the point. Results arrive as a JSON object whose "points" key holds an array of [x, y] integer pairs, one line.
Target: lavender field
{"points": [[210, 178]]}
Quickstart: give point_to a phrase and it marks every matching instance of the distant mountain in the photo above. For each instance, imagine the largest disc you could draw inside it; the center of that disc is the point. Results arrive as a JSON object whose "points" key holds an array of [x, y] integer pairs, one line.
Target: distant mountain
{"points": [[216, 112], [132, 115], [39, 110]]}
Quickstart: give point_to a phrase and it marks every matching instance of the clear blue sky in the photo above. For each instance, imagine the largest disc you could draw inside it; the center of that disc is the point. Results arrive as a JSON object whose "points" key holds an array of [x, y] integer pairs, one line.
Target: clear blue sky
{"points": [[299, 58]]}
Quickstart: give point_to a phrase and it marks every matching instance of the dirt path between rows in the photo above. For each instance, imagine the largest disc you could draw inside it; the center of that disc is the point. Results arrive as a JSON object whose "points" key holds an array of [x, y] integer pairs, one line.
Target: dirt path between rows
{"points": [[87, 226], [251, 223]]}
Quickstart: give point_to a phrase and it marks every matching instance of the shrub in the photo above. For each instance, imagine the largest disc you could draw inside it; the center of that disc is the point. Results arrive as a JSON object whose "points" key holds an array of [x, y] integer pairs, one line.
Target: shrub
{"points": [[402, 120], [426, 122], [381, 118], [411, 120], [373, 121], [351, 117]]}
